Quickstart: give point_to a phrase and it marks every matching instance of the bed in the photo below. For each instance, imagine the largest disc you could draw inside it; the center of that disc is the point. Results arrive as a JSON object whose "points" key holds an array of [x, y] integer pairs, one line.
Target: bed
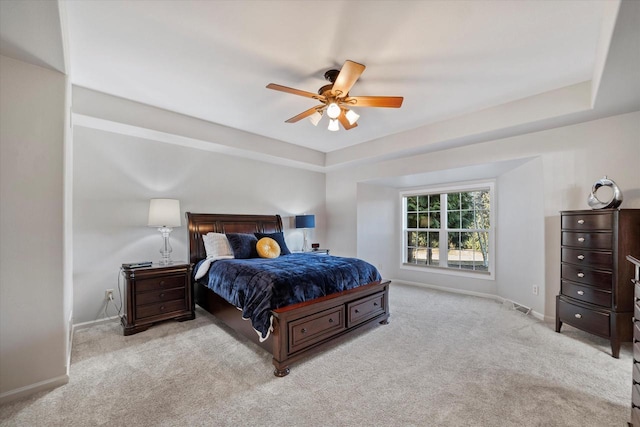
{"points": [[298, 330]]}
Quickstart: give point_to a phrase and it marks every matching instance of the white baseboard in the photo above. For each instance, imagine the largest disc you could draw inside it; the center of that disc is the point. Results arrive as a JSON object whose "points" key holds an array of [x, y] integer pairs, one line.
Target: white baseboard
{"points": [[85, 325], [472, 293], [30, 389]]}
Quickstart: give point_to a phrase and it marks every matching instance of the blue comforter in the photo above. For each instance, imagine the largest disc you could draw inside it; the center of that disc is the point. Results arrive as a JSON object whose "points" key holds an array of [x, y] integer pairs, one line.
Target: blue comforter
{"points": [[258, 285]]}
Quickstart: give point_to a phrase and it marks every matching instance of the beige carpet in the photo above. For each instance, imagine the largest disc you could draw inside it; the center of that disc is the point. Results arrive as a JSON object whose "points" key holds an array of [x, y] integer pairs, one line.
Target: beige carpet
{"points": [[444, 360]]}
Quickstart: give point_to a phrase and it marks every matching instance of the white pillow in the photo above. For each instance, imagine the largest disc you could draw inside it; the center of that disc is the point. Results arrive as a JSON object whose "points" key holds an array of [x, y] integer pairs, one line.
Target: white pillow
{"points": [[217, 247]]}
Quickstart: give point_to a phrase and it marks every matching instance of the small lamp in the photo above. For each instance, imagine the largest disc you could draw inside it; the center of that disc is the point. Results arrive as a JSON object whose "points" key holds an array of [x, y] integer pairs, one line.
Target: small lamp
{"points": [[164, 214], [304, 222]]}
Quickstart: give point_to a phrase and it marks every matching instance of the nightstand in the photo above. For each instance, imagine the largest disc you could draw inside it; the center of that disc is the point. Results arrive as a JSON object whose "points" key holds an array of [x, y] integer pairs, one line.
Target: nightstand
{"points": [[157, 293]]}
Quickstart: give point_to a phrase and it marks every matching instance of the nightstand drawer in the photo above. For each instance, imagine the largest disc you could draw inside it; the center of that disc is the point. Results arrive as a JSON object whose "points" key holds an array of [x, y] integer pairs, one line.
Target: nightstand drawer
{"points": [[160, 308], [157, 283], [591, 321], [365, 309], [584, 221], [587, 294], [587, 258], [587, 240], [160, 296], [587, 276]]}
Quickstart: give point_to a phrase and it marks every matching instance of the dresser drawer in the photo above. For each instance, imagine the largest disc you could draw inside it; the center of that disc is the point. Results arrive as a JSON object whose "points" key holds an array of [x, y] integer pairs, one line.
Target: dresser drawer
{"points": [[588, 258], [364, 309], [158, 283], [591, 321], [583, 221], [159, 296], [636, 372], [587, 240], [587, 294], [158, 309], [635, 397], [636, 332], [587, 276], [313, 329]]}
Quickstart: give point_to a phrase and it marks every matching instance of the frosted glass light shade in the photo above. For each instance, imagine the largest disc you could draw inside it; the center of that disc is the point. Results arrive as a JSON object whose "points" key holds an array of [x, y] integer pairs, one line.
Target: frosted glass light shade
{"points": [[352, 116], [315, 118], [333, 125], [164, 213], [333, 110]]}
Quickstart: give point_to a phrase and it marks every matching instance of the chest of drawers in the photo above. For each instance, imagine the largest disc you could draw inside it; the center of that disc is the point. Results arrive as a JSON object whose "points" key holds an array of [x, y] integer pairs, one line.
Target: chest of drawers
{"points": [[595, 291], [156, 293]]}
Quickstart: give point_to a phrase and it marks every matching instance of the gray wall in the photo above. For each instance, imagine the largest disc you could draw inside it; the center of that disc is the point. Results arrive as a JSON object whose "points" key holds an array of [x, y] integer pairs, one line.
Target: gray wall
{"points": [[115, 176], [34, 308]]}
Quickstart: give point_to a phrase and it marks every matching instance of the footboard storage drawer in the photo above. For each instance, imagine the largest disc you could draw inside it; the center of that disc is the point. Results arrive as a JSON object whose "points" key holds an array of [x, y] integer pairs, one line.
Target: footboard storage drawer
{"points": [[589, 320], [366, 308], [312, 329]]}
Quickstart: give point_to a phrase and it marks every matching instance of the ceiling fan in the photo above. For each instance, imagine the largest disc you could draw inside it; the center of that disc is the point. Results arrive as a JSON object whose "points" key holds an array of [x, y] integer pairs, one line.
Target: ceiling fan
{"points": [[335, 99]]}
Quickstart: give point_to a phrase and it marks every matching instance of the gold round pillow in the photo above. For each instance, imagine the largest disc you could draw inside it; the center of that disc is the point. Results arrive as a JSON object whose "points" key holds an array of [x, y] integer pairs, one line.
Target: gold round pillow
{"points": [[268, 248]]}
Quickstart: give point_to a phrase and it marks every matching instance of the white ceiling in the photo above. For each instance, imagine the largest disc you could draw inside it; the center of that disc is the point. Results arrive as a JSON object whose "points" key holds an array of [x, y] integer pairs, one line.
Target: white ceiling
{"points": [[213, 59]]}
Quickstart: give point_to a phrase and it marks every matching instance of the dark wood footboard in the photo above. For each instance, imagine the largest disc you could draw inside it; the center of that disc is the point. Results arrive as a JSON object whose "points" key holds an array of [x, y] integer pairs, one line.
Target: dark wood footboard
{"points": [[299, 330]]}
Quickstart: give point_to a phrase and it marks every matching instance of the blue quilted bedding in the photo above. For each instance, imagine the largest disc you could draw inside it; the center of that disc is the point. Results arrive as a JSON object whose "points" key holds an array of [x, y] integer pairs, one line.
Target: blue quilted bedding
{"points": [[258, 285]]}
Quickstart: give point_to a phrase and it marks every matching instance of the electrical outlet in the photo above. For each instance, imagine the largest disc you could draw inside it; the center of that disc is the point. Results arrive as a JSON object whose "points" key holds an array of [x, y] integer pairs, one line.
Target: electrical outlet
{"points": [[535, 289], [108, 295]]}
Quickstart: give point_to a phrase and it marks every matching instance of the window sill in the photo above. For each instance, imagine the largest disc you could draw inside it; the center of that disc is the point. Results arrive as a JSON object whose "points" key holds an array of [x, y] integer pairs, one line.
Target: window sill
{"points": [[481, 275]]}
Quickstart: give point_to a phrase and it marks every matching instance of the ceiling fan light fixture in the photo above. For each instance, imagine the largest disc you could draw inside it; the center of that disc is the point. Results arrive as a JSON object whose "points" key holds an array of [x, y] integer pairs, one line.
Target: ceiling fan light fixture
{"points": [[315, 118], [333, 125], [352, 116], [333, 110]]}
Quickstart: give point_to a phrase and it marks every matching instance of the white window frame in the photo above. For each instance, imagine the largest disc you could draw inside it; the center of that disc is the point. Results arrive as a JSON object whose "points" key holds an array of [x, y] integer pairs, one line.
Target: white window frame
{"points": [[452, 188]]}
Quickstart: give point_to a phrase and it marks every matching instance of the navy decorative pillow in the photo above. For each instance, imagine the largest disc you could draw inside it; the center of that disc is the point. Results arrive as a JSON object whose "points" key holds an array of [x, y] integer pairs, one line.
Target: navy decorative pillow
{"points": [[279, 238], [243, 245]]}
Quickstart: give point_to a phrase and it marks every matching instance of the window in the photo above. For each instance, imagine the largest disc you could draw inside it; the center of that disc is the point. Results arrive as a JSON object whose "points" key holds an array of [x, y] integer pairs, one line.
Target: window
{"points": [[449, 228]]}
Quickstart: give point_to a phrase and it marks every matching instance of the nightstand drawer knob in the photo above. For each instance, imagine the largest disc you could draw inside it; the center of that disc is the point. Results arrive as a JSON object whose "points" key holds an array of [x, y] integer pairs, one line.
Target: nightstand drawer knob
{"points": [[580, 257], [162, 295], [580, 274], [580, 239], [330, 320], [580, 292], [162, 308], [578, 316], [161, 282], [375, 304], [581, 221], [303, 331], [357, 311]]}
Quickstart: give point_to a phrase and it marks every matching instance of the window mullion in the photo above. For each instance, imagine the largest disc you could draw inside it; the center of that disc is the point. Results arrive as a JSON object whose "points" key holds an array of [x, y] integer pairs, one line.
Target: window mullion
{"points": [[444, 238]]}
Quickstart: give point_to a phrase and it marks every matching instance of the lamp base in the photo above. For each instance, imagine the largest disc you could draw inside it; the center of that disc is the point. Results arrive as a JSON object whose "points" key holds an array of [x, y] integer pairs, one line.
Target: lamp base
{"points": [[166, 249]]}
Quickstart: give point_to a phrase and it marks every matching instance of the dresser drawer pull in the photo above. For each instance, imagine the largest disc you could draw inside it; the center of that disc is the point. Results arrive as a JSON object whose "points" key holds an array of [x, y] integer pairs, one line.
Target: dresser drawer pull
{"points": [[162, 307], [580, 292], [580, 239], [357, 311], [634, 406], [303, 331], [330, 320], [161, 282], [581, 221], [580, 275], [375, 304], [161, 295], [578, 316], [580, 257]]}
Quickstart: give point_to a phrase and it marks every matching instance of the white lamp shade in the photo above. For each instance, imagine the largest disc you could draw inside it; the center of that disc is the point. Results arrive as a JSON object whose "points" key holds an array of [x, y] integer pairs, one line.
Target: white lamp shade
{"points": [[352, 116], [315, 118], [333, 110], [333, 125], [164, 213]]}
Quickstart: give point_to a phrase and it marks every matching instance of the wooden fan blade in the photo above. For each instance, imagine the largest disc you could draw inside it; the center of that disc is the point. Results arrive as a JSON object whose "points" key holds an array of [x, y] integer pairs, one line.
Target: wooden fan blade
{"points": [[344, 122], [294, 91], [375, 101], [348, 75], [302, 115]]}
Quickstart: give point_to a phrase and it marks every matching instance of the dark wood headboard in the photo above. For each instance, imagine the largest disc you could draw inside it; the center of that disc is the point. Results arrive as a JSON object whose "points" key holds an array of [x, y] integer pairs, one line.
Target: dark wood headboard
{"points": [[201, 224]]}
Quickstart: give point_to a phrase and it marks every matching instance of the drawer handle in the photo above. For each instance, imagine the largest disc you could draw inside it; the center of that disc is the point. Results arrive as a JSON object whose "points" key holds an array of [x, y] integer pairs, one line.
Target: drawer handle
{"points": [[580, 274], [578, 316], [162, 295], [357, 311], [581, 221], [580, 257], [303, 331], [161, 282], [162, 308], [330, 320], [375, 304], [580, 292], [580, 239]]}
